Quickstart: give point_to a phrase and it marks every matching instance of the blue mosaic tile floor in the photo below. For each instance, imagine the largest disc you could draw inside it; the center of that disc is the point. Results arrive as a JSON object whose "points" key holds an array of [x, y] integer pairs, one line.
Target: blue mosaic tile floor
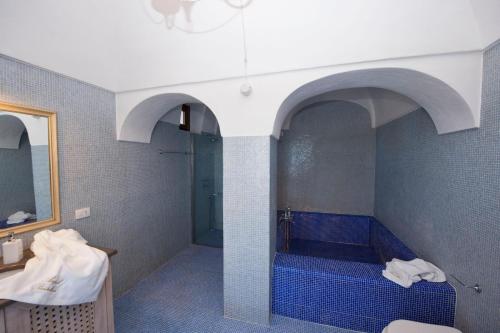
{"points": [[338, 251], [185, 296]]}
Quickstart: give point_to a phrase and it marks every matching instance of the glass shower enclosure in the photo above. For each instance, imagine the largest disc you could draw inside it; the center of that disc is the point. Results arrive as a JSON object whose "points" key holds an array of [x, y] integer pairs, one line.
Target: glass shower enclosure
{"points": [[207, 190]]}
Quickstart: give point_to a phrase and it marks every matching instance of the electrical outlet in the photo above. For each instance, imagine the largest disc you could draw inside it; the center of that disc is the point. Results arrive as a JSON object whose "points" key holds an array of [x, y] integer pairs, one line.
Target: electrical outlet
{"points": [[82, 213]]}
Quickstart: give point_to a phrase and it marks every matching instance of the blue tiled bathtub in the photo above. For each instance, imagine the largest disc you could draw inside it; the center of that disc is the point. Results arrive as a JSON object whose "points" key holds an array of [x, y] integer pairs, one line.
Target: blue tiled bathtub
{"points": [[332, 275]]}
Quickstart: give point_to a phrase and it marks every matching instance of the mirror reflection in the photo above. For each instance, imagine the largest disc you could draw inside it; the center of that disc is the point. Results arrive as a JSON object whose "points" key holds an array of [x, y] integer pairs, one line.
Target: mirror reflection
{"points": [[25, 183]]}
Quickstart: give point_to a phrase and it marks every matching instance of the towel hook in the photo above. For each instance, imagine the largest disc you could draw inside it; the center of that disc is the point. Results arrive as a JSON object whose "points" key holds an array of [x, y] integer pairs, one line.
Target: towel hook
{"points": [[477, 288]]}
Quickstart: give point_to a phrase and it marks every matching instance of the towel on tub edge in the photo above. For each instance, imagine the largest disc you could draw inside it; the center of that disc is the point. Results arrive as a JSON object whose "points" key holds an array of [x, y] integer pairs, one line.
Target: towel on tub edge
{"points": [[405, 273], [64, 271]]}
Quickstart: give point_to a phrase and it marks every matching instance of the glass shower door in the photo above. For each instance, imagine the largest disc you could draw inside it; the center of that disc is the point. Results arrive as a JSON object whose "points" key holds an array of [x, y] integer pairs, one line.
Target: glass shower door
{"points": [[207, 181]]}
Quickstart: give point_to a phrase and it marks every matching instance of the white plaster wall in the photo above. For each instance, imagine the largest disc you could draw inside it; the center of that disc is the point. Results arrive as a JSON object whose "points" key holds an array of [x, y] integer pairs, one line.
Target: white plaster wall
{"points": [[264, 111], [117, 44], [487, 13]]}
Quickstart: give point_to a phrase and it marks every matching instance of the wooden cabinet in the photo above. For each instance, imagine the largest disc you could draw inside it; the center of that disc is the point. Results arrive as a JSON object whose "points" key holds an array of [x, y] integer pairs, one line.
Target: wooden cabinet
{"points": [[94, 317]]}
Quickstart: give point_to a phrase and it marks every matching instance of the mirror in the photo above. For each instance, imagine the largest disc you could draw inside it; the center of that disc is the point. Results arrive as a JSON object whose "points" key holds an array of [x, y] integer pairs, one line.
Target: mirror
{"points": [[29, 181]]}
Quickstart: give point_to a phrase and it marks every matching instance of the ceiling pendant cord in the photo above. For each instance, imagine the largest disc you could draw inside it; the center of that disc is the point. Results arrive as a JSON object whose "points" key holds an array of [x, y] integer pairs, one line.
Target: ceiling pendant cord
{"points": [[244, 32], [246, 88]]}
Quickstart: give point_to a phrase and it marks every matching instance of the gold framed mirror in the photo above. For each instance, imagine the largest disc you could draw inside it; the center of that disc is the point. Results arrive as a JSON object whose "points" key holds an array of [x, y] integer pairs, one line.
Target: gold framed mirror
{"points": [[29, 176]]}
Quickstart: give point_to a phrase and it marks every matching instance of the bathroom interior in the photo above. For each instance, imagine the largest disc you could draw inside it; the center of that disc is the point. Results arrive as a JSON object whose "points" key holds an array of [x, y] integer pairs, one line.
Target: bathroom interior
{"points": [[250, 166]]}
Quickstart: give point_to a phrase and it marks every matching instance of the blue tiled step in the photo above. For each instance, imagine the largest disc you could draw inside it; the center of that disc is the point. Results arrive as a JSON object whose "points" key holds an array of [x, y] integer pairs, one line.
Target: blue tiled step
{"points": [[354, 295], [324, 280]]}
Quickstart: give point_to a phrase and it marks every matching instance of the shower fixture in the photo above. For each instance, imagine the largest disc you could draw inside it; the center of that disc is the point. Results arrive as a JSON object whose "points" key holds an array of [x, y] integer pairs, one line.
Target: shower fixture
{"points": [[286, 219]]}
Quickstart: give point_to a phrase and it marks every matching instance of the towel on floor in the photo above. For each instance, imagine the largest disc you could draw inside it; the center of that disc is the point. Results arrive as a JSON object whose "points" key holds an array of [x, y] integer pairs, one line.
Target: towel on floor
{"points": [[64, 271], [19, 217], [405, 273]]}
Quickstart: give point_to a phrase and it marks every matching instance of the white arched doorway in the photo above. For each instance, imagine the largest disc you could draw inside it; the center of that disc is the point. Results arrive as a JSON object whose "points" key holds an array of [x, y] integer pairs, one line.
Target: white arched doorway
{"points": [[447, 108], [250, 126]]}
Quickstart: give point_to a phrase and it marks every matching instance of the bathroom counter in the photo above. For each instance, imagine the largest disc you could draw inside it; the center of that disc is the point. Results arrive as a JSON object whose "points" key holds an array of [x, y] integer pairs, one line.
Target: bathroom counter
{"points": [[28, 255]]}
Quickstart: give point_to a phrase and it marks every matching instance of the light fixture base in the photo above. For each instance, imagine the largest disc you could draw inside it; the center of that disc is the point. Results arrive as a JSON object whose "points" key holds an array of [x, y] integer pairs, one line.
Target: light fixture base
{"points": [[246, 89]]}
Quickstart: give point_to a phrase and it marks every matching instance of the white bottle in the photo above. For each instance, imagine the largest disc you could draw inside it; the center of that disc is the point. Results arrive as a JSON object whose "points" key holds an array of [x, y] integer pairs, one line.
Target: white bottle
{"points": [[12, 250]]}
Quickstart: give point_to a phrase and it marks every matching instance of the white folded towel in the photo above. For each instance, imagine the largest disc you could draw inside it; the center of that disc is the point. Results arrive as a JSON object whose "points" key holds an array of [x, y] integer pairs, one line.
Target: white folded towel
{"points": [[64, 271], [405, 273], [19, 217]]}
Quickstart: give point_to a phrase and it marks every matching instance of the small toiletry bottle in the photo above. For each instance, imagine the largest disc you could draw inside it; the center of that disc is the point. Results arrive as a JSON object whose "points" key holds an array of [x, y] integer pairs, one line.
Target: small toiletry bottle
{"points": [[12, 250]]}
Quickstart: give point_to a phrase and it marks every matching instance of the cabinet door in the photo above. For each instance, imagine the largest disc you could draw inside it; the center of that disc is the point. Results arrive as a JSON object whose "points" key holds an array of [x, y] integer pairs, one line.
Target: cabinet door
{"points": [[17, 318], [2, 321]]}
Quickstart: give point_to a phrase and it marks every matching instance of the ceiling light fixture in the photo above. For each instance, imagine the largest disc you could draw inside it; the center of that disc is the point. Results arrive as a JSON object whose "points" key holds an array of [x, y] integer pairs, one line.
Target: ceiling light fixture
{"points": [[166, 11], [169, 9]]}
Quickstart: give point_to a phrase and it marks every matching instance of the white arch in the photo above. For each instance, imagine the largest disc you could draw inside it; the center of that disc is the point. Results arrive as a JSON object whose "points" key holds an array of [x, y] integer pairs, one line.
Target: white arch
{"points": [[447, 108], [382, 105], [451, 96], [11, 131], [141, 120], [12, 126]]}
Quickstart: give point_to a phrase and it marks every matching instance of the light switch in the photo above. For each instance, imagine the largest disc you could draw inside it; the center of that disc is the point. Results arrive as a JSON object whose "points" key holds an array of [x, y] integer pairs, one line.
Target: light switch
{"points": [[82, 213]]}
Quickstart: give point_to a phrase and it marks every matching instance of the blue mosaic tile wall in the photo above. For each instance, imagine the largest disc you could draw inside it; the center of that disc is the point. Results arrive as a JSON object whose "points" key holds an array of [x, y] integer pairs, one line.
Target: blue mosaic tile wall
{"points": [[386, 244], [440, 194], [249, 222], [352, 293], [16, 180], [41, 181], [327, 227], [326, 160], [140, 200], [273, 206]]}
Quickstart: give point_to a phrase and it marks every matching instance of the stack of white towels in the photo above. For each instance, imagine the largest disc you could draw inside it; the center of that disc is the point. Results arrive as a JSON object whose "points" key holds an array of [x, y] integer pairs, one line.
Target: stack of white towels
{"points": [[19, 217], [405, 273], [64, 271]]}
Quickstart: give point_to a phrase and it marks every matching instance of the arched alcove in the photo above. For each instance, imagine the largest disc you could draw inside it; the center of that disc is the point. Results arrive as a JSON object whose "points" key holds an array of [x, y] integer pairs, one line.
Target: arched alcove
{"points": [[383, 105], [11, 131], [12, 126], [201, 146], [142, 119], [447, 108]]}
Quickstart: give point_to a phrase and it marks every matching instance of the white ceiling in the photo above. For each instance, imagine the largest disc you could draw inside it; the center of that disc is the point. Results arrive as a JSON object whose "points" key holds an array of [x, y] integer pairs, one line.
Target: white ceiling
{"points": [[124, 45]]}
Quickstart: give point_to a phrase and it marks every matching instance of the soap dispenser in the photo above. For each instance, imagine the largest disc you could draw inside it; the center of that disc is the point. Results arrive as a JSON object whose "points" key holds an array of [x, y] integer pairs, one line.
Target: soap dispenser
{"points": [[12, 250]]}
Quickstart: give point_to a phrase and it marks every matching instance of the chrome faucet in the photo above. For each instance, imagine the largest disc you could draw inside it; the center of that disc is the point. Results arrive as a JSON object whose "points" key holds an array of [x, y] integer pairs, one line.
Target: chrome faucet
{"points": [[286, 218], [287, 215]]}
